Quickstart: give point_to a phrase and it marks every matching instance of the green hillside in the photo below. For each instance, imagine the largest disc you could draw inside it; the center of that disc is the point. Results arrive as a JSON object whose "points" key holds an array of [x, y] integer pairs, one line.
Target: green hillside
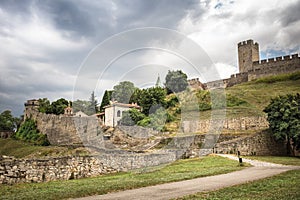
{"points": [[243, 100], [259, 93]]}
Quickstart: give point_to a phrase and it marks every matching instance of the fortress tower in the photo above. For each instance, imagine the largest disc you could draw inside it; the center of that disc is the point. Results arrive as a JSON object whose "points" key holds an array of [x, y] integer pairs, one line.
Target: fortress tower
{"points": [[248, 52]]}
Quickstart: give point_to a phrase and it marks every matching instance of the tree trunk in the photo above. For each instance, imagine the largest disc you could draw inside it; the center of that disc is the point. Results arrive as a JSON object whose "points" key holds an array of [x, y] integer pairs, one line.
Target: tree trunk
{"points": [[289, 148]]}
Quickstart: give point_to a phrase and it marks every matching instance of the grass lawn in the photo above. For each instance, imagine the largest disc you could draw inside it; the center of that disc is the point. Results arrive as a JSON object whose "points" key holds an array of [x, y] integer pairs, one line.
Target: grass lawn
{"points": [[277, 159], [20, 149], [179, 170], [283, 186]]}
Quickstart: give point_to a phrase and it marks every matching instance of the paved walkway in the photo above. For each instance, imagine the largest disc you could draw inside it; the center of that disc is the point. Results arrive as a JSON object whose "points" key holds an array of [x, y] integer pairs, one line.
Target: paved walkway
{"points": [[259, 170]]}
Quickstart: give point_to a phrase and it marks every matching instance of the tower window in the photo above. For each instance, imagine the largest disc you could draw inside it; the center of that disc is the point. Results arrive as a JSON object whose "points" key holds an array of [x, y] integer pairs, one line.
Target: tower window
{"points": [[119, 113]]}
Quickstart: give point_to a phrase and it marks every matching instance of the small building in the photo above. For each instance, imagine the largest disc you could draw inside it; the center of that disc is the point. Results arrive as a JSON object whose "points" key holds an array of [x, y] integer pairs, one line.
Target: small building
{"points": [[68, 111], [31, 105], [114, 112], [80, 114]]}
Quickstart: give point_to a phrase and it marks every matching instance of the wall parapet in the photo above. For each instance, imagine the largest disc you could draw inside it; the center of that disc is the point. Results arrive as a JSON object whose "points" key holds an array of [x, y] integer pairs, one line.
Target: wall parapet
{"points": [[13, 171]]}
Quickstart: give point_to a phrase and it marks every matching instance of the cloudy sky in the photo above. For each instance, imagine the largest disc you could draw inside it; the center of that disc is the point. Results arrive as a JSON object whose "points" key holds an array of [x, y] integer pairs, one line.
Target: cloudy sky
{"points": [[68, 48]]}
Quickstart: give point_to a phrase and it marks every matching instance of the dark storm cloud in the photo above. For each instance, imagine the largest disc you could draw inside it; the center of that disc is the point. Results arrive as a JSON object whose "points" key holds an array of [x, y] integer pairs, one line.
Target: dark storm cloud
{"points": [[290, 14], [43, 43], [21, 8], [74, 16], [161, 13]]}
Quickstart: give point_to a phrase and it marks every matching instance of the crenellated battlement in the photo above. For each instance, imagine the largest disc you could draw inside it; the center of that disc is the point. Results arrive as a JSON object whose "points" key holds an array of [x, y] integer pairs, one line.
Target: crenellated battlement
{"points": [[196, 84], [247, 42], [278, 59]]}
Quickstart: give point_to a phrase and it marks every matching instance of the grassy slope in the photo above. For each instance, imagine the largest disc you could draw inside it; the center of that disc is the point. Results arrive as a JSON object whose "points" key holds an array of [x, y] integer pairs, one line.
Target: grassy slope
{"points": [[20, 149], [257, 95], [179, 170]]}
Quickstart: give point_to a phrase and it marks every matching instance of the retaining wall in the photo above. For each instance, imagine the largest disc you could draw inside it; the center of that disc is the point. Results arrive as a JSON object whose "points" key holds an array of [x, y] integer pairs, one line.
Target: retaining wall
{"points": [[14, 170]]}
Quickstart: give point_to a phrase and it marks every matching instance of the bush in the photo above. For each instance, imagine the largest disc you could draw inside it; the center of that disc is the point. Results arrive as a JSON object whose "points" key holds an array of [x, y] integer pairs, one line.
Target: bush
{"points": [[28, 132], [172, 102], [234, 101], [204, 100]]}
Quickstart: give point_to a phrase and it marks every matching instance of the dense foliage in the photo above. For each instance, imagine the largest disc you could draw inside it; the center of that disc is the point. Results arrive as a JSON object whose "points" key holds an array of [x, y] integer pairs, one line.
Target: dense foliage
{"points": [[7, 121], [149, 99], [284, 119], [105, 99], [80, 105], [123, 92], [131, 117], [28, 132], [56, 107], [93, 105], [176, 81]]}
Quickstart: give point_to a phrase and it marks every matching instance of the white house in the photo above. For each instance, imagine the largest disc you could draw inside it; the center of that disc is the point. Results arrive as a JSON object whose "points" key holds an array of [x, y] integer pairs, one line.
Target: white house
{"points": [[80, 114], [114, 112]]}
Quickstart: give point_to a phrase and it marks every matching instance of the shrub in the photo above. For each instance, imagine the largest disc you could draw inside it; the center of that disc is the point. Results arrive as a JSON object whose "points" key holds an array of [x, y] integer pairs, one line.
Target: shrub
{"points": [[234, 101], [28, 132]]}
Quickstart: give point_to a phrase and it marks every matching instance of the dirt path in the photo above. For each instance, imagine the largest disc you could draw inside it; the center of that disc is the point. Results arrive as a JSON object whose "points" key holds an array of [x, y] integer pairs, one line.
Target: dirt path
{"points": [[259, 170]]}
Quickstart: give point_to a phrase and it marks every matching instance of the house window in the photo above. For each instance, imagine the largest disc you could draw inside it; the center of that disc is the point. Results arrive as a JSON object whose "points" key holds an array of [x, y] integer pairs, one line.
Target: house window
{"points": [[119, 113]]}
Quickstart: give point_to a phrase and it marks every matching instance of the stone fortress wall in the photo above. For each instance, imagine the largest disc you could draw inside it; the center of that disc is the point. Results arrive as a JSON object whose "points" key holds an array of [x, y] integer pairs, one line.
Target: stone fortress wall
{"points": [[251, 67], [13, 171], [65, 130]]}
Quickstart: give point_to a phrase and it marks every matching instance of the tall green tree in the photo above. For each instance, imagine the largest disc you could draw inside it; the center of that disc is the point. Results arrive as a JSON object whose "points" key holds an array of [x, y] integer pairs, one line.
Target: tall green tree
{"points": [[123, 92], [284, 119], [93, 103], [105, 99], [58, 106], [44, 105], [80, 105], [7, 121], [150, 99], [176, 81]]}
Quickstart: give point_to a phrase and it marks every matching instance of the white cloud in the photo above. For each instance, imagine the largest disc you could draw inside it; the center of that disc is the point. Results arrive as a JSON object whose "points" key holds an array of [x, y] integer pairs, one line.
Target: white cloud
{"points": [[219, 30]]}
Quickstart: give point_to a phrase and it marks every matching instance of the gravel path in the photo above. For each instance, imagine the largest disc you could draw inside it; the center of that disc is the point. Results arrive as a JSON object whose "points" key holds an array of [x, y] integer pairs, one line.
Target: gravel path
{"points": [[259, 170]]}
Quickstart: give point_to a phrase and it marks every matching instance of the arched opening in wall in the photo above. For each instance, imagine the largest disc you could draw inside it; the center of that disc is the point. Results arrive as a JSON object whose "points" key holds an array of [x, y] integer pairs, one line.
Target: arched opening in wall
{"points": [[119, 113]]}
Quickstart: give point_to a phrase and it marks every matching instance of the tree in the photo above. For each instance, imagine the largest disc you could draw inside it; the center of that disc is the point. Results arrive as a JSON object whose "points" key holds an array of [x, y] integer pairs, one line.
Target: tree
{"points": [[44, 105], [58, 107], [176, 81], [131, 117], [105, 99], [150, 99], [80, 105], [7, 121], [92, 107], [123, 92], [284, 119]]}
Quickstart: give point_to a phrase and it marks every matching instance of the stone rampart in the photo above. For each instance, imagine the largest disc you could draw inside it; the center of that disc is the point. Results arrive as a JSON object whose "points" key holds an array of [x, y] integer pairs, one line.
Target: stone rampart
{"points": [[243, 123], [14, 171], [262, 143], [275, 66], [138, 131], [68, 130]]}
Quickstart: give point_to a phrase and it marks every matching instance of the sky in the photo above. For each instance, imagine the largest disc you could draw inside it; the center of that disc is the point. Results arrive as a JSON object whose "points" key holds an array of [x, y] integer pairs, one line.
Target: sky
{"points": [[69, 48]]}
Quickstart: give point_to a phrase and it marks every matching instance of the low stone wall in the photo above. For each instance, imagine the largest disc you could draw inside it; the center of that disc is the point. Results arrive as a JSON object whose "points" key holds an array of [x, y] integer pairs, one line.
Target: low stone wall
{"points": [[138, 131], [14, 170], [262, 144], [6, 134], [243, 123], [125, 162]]}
